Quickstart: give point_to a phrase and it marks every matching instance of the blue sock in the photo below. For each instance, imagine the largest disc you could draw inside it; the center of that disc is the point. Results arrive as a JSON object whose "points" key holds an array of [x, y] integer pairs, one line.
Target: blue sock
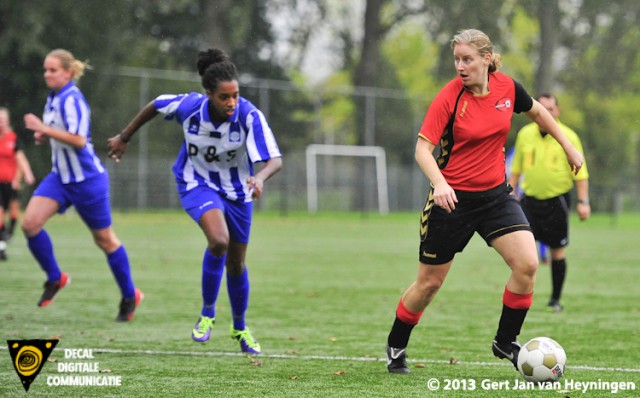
{"points": [[42, 249], [119, 264], [238, 287], [543, 251], [212, 270]]}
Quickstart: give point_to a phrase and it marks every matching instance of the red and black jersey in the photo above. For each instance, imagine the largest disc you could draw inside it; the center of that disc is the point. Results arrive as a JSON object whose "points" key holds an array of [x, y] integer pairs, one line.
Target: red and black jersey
{"points": [[472, 148], [8, 163]]}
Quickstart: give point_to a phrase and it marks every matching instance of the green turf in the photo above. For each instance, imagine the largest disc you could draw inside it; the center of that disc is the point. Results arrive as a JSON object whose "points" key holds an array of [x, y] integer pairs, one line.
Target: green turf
{"points": [[324, 291]]}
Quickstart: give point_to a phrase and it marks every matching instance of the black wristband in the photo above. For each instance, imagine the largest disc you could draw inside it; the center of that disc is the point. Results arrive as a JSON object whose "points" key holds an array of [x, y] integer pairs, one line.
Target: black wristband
{"points": [[123, 139], [583, 201]]}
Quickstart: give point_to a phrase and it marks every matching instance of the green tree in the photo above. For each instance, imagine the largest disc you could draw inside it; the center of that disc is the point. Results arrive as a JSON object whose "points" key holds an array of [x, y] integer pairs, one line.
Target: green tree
{"points": [[157, 34], [29, 29], [603, 79]]}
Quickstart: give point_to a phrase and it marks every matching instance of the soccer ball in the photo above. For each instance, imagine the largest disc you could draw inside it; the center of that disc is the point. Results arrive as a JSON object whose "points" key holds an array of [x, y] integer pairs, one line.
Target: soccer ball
{"points": [[542, 359]]}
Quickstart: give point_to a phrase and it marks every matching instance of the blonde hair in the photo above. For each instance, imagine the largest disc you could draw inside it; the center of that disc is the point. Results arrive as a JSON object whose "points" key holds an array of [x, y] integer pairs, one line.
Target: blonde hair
{"points": [[69, 62], [481, 42]]}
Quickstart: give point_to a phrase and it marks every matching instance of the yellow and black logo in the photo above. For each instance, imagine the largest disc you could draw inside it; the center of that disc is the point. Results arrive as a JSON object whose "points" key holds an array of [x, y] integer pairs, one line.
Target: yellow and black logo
{"points": [[424, 217], [28, 357]]}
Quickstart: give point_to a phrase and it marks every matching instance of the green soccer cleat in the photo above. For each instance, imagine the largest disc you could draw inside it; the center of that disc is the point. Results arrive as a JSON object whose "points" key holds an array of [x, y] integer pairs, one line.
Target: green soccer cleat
{"points": [[202, 330], [247, 343]]}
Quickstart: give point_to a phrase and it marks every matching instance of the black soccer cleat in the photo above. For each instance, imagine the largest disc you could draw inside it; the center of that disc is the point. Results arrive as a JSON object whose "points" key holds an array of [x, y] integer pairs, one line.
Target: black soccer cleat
{"points": [[554, 306], [52, 288], [128, 306], [508, 351], [397, 360]]}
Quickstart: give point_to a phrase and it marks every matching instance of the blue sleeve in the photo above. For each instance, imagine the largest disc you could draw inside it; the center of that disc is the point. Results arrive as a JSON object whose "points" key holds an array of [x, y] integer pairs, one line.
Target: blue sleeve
{"points": [[168, 104]]}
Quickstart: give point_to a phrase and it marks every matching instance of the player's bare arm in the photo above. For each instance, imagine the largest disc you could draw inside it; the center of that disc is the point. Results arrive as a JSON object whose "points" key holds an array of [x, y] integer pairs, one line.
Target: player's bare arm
{"points": [[583, 207], [513, 181], [543, 118], [33, 122], [256, 183], [443, 195]]}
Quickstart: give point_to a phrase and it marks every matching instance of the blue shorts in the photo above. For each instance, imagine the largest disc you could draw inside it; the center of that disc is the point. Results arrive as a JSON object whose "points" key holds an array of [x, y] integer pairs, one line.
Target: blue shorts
{"points": [[201, 199], [89, 197]]}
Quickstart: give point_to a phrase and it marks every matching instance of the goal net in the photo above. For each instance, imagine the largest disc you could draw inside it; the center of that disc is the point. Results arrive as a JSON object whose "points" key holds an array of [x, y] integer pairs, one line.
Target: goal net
{"points": [[314, 151]]}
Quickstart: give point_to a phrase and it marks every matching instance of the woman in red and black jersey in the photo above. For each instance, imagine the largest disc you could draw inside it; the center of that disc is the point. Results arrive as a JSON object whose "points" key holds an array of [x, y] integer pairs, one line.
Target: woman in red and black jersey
{"points": [[470, 119], [14, 167]]}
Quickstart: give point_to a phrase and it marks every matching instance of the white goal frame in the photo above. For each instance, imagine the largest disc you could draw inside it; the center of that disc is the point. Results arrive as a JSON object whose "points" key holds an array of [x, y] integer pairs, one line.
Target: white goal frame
{"points": [[376, 152]]}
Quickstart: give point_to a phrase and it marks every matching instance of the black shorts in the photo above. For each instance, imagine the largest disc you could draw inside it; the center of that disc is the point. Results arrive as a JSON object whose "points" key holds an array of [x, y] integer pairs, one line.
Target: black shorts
{"points": [[7, 193], [491, 213], [549, 219]]}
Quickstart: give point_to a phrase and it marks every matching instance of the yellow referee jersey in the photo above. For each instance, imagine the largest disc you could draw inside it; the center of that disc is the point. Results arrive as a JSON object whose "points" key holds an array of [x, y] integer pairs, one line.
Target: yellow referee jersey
{"points": [[542, 163]]}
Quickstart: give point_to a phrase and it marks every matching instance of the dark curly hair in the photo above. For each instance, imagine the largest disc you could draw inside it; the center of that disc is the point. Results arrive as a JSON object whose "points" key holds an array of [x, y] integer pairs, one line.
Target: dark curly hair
{"points": [[215, 66]]}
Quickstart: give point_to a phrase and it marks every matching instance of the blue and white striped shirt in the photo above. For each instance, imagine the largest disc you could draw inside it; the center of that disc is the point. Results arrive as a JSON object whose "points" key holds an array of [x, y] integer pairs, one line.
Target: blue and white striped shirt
{"points": [[67, 110], [218, 156]]}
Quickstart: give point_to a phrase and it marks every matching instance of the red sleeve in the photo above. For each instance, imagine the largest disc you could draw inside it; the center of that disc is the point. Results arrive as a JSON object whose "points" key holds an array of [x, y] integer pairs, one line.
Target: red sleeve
{"points": [[439, 112]]}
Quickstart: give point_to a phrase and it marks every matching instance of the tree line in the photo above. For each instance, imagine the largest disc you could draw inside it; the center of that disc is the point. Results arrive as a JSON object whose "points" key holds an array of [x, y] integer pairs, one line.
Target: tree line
{"points": [[586, 52]]}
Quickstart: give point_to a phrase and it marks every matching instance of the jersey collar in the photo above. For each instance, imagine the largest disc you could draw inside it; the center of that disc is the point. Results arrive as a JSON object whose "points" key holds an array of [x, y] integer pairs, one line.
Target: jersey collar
{"points": [[64, 89]]}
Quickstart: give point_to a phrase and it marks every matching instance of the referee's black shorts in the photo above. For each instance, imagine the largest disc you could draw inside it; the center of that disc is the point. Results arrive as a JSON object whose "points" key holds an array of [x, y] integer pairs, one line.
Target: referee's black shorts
{"points": [[549, 219], [7, 193], [491, 213]]}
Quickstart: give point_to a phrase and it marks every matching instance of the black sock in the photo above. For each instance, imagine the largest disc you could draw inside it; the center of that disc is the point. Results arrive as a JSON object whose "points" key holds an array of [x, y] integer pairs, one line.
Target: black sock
{"points": [[558, 273], [12, 225], [399, 335], [510, 324]]}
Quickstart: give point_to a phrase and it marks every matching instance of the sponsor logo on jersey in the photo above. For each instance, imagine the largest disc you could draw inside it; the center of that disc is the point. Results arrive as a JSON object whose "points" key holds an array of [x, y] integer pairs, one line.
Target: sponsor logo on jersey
{"points": [[234, 136], [504, 104]]}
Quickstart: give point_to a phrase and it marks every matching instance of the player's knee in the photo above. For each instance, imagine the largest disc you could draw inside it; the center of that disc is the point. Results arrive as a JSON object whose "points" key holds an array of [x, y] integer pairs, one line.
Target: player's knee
{"points": [[30, 227], [527, 268], [429, 287], [218, 248], [107, 243], [531, 267], [235, 266]]}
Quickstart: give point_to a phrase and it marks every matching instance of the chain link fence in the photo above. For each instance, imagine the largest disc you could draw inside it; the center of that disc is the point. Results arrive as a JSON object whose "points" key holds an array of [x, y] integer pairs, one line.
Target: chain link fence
{"points": [[390, 119]]}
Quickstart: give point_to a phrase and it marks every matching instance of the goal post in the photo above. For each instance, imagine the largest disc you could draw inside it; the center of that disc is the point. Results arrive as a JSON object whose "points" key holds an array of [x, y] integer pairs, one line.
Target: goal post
{"points": [[376, 152]]}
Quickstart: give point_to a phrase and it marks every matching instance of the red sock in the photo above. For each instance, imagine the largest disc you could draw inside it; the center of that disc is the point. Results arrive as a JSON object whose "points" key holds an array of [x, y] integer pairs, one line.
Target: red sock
{"points": [[517, 301], [406, 316]]}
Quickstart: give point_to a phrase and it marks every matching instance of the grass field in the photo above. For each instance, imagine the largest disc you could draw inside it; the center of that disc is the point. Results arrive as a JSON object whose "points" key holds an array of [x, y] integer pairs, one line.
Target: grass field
{"points": [[324, 292]]}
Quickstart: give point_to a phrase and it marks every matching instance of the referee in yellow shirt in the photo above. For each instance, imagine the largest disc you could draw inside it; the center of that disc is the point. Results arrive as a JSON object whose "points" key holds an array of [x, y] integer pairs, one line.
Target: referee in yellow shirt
{"points": [[546, 182]]}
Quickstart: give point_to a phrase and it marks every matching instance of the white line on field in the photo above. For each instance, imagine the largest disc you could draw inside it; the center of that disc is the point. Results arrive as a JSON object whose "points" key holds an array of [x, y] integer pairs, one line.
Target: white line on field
{"points": [[333, 358], [342, 358]]}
